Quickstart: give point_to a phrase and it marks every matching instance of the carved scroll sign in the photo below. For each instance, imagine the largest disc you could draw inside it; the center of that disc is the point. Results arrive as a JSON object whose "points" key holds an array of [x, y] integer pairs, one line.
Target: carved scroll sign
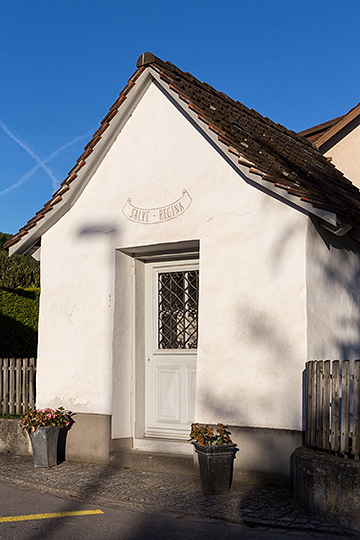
{"points": [[157, 215]]}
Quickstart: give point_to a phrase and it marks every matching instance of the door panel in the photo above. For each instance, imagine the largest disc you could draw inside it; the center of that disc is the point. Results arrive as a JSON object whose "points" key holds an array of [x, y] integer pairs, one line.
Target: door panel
{"points": [[168, 394], [171, 341]]}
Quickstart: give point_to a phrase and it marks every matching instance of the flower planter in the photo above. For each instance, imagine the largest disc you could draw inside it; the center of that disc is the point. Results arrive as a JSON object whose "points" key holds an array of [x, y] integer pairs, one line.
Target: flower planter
{"points": [[216, 465], [44, 442]]}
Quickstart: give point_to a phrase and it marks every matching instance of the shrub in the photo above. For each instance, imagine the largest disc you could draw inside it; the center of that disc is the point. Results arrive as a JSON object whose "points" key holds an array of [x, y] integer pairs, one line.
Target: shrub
{"points": [[19, 313], [19, 303]]}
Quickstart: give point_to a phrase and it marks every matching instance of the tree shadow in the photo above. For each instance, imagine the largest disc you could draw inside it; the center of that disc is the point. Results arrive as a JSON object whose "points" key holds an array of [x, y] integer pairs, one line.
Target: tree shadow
{"points": [[332, 330]]}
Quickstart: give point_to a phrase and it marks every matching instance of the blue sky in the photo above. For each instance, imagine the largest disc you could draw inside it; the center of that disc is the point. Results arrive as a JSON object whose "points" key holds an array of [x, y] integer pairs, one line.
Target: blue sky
{"points": [[64, 63]]}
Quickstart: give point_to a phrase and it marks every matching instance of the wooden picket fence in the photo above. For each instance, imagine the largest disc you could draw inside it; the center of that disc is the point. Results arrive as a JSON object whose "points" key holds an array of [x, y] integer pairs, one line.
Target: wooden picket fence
{"points": [[17, 385], [332, 406]]}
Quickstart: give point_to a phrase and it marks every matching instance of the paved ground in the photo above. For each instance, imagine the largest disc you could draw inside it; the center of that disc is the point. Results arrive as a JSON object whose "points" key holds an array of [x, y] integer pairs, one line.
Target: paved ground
{"points": [[248, 504]]}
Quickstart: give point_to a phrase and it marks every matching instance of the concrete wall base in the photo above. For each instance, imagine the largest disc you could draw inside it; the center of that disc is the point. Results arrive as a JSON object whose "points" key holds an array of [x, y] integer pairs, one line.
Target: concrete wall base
{"points": [[327, 487], [265, 454], [88, 439], [13, 439]]}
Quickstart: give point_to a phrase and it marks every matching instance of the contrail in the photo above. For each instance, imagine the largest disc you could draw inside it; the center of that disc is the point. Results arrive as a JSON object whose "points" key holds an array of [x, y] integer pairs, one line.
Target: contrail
{"points": [[20, 181], [38, 160], [41, 163]]}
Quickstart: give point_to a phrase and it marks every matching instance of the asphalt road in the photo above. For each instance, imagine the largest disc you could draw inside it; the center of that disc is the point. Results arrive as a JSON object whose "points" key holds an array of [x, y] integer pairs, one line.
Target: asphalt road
{"points": [[24, 515]]}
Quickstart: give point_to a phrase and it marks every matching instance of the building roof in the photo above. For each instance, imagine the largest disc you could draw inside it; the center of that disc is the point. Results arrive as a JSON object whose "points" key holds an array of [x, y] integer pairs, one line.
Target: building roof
{"points": [[321, 134], [281, 158], [315, 132]]}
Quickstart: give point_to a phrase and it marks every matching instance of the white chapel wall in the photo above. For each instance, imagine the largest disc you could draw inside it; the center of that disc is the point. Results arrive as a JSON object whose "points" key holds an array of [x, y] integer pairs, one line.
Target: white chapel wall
{"points": [[252, 341]]}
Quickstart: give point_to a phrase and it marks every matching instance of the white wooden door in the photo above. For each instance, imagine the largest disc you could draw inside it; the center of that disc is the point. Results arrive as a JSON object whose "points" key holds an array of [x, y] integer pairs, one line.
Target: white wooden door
{"points": [[172, 292]]}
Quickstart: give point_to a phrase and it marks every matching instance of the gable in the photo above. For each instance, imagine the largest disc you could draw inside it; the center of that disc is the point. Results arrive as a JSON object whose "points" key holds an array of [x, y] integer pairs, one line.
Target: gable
{"points": [[275, 159], [338, 140], [344, 153], [161, 167]]}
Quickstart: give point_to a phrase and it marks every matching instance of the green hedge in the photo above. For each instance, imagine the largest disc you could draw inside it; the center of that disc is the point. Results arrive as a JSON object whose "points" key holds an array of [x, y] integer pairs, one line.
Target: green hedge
{"points": [[19, 303], [18, 271], [19, 313]]}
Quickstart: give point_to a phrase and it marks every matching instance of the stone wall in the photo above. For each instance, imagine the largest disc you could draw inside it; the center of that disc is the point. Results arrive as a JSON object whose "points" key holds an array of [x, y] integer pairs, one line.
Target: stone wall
{"points": [[327, 487], [12, 438]]}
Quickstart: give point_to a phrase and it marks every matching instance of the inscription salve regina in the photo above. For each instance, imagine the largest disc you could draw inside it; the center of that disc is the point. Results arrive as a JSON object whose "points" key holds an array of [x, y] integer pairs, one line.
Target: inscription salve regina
{"points": [[157, 215]]}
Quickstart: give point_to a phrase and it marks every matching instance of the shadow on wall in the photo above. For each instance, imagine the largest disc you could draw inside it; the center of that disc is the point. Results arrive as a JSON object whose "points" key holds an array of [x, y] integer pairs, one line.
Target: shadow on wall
{"points": [[333, 310], [334, 303], [265, 451], [100, 229]]}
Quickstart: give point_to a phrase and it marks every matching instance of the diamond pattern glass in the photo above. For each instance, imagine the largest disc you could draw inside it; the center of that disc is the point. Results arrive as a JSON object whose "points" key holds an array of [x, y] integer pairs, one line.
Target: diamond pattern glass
{"points": [[178, 297]]}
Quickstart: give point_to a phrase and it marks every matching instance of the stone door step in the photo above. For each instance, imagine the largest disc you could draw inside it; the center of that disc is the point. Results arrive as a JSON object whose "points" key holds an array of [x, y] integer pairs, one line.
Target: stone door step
{"points": [[153, 461]]}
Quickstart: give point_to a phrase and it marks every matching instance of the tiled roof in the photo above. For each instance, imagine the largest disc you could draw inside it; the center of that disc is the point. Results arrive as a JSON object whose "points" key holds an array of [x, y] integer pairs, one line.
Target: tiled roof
{"points": [[279, 156]]}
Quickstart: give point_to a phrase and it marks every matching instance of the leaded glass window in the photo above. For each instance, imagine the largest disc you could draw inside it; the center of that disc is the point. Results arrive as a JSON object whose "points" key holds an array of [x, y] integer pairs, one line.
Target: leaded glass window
{"points": [[178, 297]]}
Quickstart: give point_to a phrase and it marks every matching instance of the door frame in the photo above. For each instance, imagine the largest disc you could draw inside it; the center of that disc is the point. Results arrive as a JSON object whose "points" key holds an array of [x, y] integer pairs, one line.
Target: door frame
{"points": [[184, 360]]}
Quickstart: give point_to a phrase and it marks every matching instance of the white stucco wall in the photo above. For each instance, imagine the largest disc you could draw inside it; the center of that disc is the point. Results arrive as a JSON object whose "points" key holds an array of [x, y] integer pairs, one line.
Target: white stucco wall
{"points": [[333, 296], [75, 326], [346, 157], [252, 342]]}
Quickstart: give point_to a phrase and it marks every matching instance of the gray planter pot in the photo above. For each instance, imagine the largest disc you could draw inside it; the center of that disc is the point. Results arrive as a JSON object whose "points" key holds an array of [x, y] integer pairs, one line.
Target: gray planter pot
{"points": [[216, 464], [44, 442]]}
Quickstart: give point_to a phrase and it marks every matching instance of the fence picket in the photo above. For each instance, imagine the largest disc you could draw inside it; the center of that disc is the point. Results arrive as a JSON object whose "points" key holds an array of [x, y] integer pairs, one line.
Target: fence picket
{"points": [[319, 395], [345, 406], [356, 411], [313, 403], [307, 402], [6, 385], [32, 382], [326, 407], [12, 386], [18, 386], [25, 394], [335, 406]]}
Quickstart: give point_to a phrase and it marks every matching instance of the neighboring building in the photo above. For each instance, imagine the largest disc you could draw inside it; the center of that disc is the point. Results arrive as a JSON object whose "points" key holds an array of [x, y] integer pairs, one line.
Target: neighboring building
{"points": [[339, 141], [194, 259]]}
